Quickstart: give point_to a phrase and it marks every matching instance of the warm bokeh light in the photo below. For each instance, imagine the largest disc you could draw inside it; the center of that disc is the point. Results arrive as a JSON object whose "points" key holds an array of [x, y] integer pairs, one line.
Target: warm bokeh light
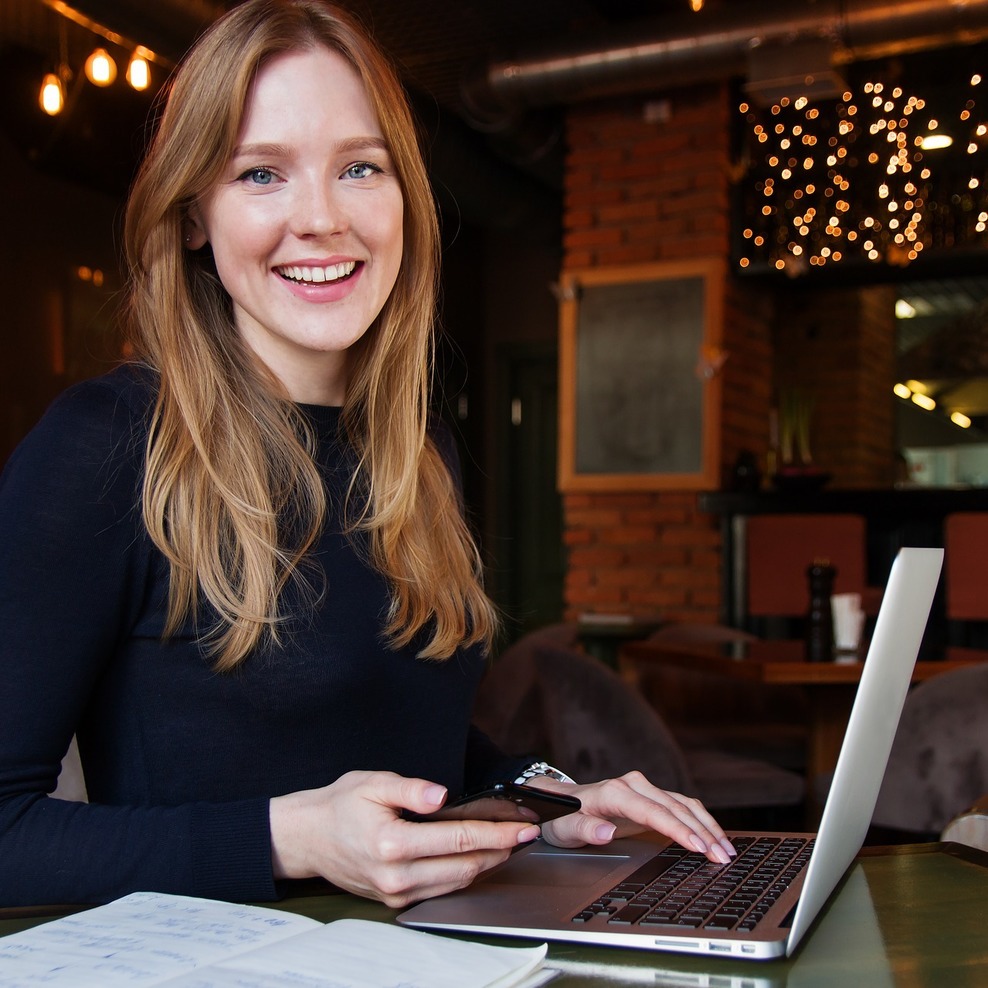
{"points": [[138, 71], [51, 97], [101, 70]]}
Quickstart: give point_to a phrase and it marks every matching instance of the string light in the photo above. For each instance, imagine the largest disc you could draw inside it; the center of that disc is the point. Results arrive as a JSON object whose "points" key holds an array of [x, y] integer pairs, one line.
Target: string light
{"points": [[101, 70], [850, 178], [52, 95], [138, 70], [819, 215]]}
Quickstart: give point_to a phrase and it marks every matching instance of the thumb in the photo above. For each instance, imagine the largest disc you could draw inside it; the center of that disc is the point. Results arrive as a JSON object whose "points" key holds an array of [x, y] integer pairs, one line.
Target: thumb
{"points": [[420, 796]]}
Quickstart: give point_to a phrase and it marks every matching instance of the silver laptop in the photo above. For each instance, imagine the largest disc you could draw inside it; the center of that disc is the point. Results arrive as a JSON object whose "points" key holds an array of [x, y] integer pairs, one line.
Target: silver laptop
{"points": [[592, 895]]}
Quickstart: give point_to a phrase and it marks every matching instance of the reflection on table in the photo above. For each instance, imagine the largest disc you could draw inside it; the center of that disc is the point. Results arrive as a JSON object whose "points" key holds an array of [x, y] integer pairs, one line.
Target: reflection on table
{"points": [[905, 916], [830, 686]]}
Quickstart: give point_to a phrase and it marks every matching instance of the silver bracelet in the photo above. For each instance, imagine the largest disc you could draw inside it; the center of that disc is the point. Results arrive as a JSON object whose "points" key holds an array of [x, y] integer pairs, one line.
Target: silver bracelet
{"points": [[542, 770]]}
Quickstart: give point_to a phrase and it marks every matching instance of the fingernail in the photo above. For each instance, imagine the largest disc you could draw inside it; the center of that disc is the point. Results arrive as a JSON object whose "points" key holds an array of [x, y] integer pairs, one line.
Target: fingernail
{"points": [[729, 847], [698, 844], [528, 834], [605, 831], [720, 854], [435, 795]]}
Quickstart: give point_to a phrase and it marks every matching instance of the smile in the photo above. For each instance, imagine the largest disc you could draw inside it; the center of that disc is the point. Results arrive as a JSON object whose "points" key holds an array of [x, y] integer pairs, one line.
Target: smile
{"points": [[317, 275]]}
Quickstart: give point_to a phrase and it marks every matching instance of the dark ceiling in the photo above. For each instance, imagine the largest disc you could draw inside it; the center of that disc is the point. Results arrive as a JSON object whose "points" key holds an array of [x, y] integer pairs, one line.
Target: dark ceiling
{"points": [[498, 169], [98, 138], [507, 141]]}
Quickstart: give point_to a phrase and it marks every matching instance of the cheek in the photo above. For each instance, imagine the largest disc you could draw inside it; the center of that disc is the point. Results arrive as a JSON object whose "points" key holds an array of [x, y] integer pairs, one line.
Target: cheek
{"points": [[389, 233], [241, 241]]}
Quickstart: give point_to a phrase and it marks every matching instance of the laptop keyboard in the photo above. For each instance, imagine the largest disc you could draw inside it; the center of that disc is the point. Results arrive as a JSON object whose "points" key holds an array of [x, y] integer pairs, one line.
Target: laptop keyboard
{"points": [[683, 889]]}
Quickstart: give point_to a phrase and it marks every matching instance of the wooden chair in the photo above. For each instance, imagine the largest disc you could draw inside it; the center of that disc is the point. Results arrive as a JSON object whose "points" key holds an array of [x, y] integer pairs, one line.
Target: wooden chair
{"points": [[706, 711], [778, 551], [966, 577], [572, 709]]}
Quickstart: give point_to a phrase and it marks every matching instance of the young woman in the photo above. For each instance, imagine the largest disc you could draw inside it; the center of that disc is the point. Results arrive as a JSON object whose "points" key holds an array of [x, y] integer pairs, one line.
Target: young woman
{"points": [[236, 568]]}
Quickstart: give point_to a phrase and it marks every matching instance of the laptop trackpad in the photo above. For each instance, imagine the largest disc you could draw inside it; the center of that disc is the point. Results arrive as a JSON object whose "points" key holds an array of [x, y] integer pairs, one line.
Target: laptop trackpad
{"points": [[557, 870]]}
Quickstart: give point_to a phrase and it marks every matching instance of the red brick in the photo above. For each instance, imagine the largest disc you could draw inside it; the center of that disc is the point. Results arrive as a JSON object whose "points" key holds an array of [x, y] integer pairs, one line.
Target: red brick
{"points": [[596, 556], [596, 518], [594, 237], [627, 535]]}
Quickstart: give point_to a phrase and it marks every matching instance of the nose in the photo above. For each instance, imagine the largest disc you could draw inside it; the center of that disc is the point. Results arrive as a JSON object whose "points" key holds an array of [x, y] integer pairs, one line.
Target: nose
{"points": [[319, 208]]}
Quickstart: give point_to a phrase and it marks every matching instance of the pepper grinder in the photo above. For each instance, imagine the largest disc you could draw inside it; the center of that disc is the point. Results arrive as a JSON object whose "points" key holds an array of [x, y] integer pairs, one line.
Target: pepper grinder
{"points": [[820, 618]]}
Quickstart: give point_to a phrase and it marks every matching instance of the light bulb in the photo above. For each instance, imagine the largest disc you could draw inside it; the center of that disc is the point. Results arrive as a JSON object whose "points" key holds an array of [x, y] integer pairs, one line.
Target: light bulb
{"points": [[138, 71], [101, 70], [52, 96]]}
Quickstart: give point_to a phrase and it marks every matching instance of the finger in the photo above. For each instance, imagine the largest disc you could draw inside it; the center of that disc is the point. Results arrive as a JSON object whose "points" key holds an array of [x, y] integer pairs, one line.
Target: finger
{"points": [[633, 804], [585, 828], [400, 792], [399, 884], [457, 837], [578, 829], [688, 810]]}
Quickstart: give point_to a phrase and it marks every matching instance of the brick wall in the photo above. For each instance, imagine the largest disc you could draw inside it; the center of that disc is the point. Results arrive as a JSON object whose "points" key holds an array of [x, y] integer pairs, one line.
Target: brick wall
{"points": [[641, 190], [648, 181]]}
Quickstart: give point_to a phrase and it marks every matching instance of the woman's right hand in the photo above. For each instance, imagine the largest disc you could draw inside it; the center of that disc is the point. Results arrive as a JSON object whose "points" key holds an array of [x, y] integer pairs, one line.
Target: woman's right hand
{"points": [[351, 833]]}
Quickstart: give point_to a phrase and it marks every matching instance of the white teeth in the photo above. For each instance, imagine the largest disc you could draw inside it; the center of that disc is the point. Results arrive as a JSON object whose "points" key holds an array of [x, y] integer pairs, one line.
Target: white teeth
{"points": [[331, 272]]}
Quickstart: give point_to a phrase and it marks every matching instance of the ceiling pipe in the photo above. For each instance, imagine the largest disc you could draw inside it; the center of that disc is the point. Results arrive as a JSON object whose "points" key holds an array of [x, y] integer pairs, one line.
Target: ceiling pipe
{"points": [[691, 48]]}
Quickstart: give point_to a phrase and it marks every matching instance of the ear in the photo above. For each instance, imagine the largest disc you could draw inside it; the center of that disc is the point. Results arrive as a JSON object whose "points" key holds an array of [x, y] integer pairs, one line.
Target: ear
{"points": [[193, 230]]}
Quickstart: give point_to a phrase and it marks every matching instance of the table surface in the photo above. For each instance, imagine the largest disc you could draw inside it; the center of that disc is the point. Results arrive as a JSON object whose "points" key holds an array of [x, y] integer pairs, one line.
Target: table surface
{"points": [[830, 686], [905, 916], [783, 661]]}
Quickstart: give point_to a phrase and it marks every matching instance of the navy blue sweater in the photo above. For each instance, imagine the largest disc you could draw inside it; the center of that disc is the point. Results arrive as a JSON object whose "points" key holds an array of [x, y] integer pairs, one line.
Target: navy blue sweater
{"points": [[181, 760]]}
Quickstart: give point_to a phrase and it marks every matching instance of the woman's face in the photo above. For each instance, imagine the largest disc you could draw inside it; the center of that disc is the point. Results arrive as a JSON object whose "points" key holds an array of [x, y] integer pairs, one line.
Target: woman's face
{"points": [[306, 223]]}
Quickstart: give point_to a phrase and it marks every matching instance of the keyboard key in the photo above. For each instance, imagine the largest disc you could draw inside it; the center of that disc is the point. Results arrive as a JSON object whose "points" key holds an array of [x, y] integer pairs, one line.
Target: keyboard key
{"points": [[682, 888]]}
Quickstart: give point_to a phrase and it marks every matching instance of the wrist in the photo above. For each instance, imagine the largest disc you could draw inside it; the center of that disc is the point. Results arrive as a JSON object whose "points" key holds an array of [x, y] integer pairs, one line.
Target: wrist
{"points": [[287, 846]]}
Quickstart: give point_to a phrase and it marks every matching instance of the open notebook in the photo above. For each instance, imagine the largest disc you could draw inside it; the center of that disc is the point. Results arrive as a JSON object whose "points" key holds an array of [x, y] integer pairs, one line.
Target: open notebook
{"points": [[656, 896]]}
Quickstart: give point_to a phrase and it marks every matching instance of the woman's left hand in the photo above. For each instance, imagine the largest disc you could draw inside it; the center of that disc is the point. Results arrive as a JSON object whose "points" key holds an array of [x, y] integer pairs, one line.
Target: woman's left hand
{"points": [[632, 805]]}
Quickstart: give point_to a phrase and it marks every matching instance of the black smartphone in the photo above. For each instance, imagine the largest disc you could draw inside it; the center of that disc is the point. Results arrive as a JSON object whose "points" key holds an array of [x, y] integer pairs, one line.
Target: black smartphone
{"points": [[504, 801]]}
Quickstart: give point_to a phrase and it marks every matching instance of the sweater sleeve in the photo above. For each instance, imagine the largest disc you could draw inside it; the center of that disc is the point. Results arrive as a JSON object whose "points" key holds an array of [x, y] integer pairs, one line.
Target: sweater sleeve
{"points": [[73, 571]]}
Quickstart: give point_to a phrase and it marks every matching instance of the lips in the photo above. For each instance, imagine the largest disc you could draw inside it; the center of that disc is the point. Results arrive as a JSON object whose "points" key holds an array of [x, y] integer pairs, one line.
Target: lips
{"points": [[316, 274]]}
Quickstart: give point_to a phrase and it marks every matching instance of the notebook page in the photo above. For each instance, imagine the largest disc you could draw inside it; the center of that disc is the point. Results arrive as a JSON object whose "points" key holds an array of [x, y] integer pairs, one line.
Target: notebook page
{"points": [[142, 939], [156, 939], [354, 953]]}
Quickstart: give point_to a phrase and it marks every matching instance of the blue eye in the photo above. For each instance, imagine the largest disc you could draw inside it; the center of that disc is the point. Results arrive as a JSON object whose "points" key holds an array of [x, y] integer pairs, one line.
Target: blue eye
{"points": [[361, 169], [258, 176]]}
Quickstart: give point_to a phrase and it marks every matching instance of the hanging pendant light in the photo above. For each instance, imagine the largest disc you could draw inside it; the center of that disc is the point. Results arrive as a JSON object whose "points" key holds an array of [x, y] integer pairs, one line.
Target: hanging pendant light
{"points": [[138, 70], [101, 70], [52, 96]]}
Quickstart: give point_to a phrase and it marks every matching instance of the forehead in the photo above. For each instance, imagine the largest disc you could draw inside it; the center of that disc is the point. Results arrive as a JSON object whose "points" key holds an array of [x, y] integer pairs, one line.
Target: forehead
{"points": [[312, 90]]}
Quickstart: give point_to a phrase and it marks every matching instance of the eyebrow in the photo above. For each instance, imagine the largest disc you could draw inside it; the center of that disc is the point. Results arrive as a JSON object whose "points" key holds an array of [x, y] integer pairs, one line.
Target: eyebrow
{"points": [[271, 150]]}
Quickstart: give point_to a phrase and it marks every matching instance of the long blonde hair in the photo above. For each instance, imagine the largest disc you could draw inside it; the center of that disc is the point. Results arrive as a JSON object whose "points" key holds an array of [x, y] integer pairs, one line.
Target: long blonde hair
{"points": [[231, 494]]}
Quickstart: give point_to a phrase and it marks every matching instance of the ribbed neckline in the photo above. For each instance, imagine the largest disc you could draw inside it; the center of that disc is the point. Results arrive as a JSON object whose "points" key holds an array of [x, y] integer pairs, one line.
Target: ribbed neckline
{"points": [[323, 417]]}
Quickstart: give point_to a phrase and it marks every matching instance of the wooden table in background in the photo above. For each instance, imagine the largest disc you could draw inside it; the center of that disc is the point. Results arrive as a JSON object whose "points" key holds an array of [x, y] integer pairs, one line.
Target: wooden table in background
{"points": [[830, 686]]}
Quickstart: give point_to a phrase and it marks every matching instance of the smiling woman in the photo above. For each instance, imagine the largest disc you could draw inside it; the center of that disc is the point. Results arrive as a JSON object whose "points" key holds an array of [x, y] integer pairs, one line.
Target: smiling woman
{"points": [[305, 226], [237, 568]]}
